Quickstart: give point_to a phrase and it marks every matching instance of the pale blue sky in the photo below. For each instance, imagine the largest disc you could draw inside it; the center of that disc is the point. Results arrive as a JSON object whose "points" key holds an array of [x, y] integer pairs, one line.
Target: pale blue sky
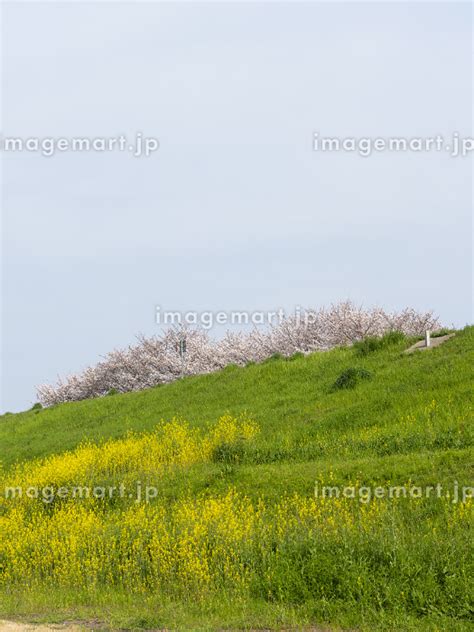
{"points": [[235, 211]]}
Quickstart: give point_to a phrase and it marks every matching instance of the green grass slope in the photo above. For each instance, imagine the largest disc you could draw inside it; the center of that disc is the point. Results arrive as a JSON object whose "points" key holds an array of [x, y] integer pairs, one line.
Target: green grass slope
{"points": [[301, 417], [407, 417]]}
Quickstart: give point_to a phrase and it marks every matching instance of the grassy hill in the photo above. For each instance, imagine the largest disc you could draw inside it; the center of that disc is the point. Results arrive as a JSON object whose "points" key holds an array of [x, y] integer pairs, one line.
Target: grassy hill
{"points": [[234, 536]]}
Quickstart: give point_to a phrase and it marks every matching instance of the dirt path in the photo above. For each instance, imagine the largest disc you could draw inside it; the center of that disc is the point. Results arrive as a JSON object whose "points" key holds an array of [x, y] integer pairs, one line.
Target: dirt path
{"points": [[16, 626], [435, 342]]}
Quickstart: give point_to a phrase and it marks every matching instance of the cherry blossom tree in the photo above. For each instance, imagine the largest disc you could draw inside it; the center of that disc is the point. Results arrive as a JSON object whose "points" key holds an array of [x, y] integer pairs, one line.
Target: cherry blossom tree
{"points": [[157, 360]]}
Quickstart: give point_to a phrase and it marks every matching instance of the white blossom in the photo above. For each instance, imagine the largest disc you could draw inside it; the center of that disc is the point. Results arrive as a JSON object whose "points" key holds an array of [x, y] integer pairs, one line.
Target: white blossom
{"points": [[156, 360]]}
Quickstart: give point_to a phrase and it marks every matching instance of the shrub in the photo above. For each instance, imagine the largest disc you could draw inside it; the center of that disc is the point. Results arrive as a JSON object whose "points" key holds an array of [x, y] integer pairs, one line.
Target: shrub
{"points": [[296, 356], [350, 377], [36, 406], [393, 338], [229, 453], [274, 357], [367, 345], [376, 343]]}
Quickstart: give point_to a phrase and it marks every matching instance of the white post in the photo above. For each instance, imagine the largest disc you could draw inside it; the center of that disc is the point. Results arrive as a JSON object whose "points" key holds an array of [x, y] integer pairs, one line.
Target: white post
{"points": [[427, 339]]}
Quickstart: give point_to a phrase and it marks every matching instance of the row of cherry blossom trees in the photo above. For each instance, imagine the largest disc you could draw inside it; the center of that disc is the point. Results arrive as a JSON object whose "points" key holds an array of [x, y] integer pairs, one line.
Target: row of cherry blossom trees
{"points": [[158, 360]]}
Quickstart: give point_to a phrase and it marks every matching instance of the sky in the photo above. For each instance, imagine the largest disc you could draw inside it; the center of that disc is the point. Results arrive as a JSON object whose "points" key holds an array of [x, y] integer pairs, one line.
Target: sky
{"points": [[235, 211]]}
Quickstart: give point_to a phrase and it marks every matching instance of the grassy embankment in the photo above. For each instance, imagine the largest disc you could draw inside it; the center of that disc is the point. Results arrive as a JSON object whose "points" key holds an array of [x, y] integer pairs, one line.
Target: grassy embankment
{"points": [[235, 536]]}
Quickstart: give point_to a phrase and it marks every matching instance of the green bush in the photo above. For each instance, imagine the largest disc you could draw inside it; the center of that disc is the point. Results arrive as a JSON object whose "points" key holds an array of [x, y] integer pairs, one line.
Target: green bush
{"points": [[229, 453], [273, 357], [296, 356], [350, 378], [375, 343]]}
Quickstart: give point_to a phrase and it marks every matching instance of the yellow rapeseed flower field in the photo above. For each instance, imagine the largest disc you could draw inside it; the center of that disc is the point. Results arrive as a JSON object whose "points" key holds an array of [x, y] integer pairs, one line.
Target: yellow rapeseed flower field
{"points": [[189, 543]]}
